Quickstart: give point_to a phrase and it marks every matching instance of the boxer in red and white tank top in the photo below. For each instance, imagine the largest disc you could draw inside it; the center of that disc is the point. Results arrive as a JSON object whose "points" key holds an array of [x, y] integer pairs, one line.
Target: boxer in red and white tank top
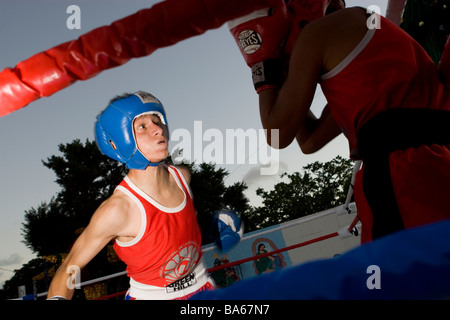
{"points": [[165, 260], [390, 100], [150, 216]]}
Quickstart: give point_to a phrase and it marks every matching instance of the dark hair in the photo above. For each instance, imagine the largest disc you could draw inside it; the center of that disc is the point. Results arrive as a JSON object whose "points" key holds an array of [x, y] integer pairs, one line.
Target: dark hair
{"points": [[333, 7], [120, 96]]}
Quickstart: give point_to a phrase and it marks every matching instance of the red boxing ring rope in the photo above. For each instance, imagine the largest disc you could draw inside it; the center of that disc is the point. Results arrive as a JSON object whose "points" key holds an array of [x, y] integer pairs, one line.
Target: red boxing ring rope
{"points": [[137, 35]]}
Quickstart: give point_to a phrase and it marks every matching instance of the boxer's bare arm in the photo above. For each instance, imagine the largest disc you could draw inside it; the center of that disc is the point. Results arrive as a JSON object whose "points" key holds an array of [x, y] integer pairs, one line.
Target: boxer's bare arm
{"points": [[107, 223]]}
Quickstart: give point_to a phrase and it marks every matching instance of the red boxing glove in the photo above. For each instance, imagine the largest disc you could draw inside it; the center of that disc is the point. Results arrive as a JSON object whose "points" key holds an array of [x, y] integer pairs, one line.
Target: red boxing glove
{"points": [[136, 35], [303, 12], [260, 37]]}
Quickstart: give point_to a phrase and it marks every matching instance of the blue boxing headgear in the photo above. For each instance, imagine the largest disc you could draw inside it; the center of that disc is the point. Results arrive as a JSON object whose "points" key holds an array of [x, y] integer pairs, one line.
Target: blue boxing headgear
{"points": [[114, 132]]}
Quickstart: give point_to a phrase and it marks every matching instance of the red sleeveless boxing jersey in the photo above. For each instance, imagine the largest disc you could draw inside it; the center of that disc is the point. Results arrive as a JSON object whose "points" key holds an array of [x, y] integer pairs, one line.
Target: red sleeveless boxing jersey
{"points": [[168, 246], [387, 69]]}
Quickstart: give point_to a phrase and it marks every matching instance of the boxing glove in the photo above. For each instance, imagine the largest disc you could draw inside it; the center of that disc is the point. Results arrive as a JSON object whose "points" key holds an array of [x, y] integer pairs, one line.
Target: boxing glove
{"points": [[261, 36], [230, 229], [137, 35]]}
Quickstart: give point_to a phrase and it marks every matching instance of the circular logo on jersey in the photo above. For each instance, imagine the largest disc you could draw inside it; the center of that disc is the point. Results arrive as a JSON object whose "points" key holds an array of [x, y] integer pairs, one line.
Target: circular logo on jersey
{"points": [[250, 41], [181, 263]]}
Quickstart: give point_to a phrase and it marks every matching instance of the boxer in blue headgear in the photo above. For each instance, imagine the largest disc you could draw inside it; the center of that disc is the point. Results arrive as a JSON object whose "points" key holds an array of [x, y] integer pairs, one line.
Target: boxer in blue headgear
{"points": [[150, 217], [114, 131]]}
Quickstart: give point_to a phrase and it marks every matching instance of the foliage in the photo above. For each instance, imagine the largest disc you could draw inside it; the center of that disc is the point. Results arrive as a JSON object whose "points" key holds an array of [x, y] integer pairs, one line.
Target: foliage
{"points": [[86, 178], [321, 186], [211, 194], [23, 276]]}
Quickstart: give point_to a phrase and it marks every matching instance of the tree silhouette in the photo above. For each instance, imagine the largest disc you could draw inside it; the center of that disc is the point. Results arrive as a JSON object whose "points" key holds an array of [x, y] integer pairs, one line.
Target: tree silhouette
{"points": [[211, 195], [86, 178], [321, 186]]}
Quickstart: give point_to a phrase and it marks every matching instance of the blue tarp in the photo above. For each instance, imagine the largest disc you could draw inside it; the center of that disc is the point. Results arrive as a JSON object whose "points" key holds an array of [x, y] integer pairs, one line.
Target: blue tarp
{"points": [[411, 264]]}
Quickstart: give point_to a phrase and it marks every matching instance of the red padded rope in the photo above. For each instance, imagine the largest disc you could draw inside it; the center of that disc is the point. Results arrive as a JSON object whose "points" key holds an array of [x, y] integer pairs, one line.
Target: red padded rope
{"points": [[137, 35]]}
